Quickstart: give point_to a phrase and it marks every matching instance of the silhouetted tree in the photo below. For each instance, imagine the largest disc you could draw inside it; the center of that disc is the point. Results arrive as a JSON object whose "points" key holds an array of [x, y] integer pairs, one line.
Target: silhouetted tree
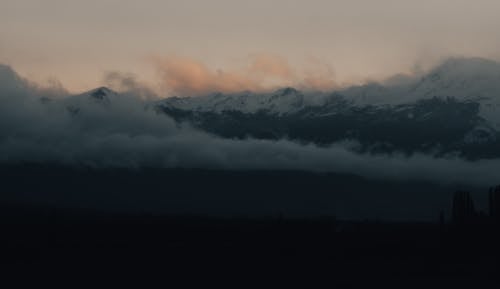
{"points": [[494, 204], [463, 211]]}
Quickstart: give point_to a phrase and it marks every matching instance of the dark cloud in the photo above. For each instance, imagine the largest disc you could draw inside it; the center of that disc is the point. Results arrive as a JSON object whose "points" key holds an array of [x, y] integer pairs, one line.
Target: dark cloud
{"points": [[125, 131]]}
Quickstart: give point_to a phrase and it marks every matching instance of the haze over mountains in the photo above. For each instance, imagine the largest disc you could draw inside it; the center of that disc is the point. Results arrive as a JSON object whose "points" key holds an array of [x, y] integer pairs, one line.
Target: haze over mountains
{"points": [[453, 108], [442, 126]]}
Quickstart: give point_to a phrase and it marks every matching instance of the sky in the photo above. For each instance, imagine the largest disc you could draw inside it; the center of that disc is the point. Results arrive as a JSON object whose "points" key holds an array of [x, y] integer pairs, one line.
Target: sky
{"points": [[187, 47], [235, 44]]}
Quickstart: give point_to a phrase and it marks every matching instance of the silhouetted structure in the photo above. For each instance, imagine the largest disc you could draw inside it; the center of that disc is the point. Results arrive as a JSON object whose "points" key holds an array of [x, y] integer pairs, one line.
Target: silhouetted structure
{"points": [[442, 219], [463, 211], [494, 204]]}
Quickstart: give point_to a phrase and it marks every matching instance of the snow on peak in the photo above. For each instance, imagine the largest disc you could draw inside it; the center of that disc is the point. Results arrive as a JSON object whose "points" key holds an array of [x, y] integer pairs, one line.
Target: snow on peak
{"points": [[467, 67], [462, 78], [101, 93], [282, 101], [465, 79]]}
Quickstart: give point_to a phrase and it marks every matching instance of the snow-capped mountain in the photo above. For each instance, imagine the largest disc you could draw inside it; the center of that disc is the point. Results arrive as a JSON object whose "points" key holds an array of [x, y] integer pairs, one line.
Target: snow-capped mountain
{"points": [[456, 107], [283, 101], [101, 95], [476, 80], [95, 100], [465, 79]]}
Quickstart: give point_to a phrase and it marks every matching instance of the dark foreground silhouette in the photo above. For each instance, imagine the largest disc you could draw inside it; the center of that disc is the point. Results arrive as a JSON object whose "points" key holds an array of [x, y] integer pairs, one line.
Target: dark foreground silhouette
{"points": [[461, 249], [355, 253]]}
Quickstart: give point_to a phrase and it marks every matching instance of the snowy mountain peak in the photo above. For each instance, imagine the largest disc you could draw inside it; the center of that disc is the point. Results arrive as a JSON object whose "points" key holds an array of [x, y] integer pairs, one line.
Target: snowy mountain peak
{"points": [[467, 67], [282, 101], [462, 78], [98, 97], [287, 91], [101, 93]]}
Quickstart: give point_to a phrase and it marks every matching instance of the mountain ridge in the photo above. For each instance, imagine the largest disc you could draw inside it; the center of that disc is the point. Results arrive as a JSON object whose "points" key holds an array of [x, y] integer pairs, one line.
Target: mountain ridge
{"points": [[466, 79], [453, 109]]}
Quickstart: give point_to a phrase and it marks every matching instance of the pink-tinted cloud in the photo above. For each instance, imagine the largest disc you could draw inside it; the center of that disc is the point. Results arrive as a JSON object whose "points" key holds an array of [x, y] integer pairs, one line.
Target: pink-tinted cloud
{"points": [[271, 65], [186, 76]]}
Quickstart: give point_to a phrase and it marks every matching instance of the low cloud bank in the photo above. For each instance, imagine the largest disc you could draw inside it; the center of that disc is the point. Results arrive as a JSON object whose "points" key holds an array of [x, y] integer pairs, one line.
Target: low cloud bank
{"points": [[125, 131]]}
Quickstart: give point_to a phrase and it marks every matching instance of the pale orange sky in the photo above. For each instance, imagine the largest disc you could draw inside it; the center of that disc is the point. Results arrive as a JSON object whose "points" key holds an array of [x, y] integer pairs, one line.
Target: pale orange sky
{"points": [[313, 42]]}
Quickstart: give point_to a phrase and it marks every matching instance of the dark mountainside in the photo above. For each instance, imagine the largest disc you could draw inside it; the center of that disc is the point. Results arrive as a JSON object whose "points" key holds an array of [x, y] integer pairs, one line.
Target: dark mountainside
{"points": [[198, 227], [436, 126], [229, 193], [177, 224]]}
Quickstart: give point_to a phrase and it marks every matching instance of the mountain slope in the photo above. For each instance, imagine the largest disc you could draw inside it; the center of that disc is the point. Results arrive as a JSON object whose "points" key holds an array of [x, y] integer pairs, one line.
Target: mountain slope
{"points": [[283, 101], [453, 108]]}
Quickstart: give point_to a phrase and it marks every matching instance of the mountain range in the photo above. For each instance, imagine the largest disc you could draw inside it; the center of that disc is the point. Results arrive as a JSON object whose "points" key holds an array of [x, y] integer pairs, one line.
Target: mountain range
{"points": [[454, 109]]}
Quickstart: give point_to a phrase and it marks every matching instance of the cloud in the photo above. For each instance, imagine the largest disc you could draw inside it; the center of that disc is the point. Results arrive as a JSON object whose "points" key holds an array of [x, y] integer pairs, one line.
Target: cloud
{"points": [[271, 65], [186, 76], [127, 132], [128, 82]]}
